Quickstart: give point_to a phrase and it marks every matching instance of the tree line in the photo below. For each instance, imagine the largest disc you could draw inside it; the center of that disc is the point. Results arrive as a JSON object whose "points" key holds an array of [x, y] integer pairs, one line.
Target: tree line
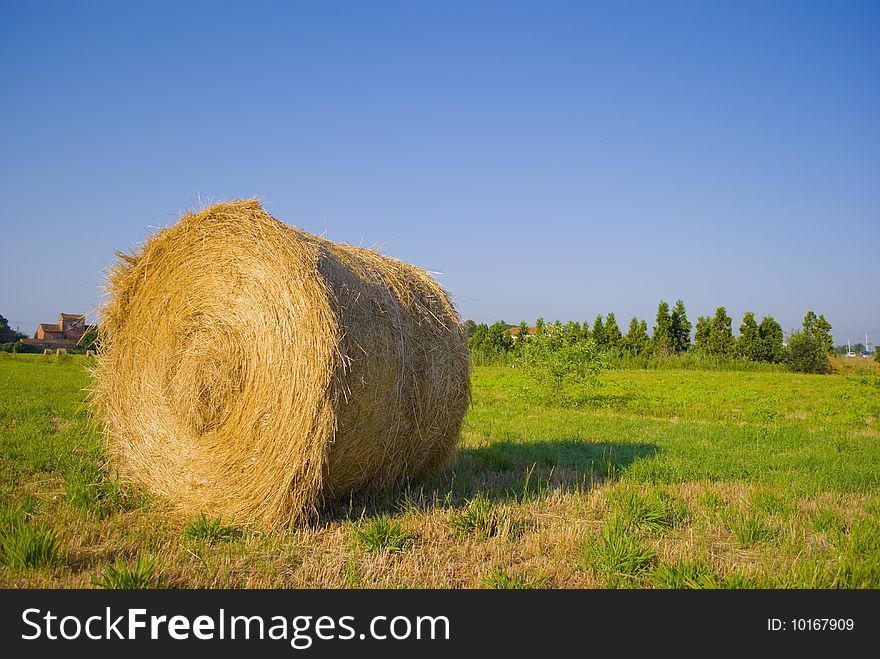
{"points": [[672, 334]]}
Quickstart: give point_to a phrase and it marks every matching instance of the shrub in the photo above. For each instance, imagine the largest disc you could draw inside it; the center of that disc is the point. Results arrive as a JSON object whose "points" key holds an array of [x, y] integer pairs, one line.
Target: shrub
{"points": [[18, 346], [805, 354], [88, 341], [555, 365]]}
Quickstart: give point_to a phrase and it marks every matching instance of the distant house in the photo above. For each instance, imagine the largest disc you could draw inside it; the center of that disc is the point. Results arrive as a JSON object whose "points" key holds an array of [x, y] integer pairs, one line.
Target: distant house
{"points": [[514, 331], [66, 333]]}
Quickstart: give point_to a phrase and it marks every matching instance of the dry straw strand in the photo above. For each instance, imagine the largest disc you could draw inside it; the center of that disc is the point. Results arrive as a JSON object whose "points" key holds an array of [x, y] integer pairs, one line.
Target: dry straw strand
{"points": [[253, 370]]}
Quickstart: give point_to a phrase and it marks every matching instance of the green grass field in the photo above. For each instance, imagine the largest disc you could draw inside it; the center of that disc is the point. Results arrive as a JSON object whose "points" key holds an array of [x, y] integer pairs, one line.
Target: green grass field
{"points": [[657, 479]]}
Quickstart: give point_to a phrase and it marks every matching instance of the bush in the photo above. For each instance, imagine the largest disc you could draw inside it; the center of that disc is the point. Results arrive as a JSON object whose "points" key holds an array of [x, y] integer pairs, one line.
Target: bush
{"points": [[805, 354], [18, 346], [556, 366], [89, 340]]}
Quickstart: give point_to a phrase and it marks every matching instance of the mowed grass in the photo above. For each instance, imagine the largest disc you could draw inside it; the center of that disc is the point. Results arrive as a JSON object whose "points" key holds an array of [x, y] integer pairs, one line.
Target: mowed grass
{"points": [[656, 479]]}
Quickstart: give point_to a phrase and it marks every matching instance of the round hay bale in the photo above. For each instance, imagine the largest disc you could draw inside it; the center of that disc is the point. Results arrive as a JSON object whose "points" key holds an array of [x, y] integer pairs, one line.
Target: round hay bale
{"points": [[252, 370]]}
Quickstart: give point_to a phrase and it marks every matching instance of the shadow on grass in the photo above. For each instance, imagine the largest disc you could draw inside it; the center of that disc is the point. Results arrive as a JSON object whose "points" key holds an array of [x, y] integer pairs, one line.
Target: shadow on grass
{"points": [[504, 471]]}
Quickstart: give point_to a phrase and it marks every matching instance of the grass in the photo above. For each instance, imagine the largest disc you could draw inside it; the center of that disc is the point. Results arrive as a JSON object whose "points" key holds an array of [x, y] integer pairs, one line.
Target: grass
{"points": [[617, 557], [382, 534], [751, 530], [656, 511], [211, 530], [696, 574], [480, 518], [657, 479], [501, 579], [87, 487], [128, 576], [26, 545]]}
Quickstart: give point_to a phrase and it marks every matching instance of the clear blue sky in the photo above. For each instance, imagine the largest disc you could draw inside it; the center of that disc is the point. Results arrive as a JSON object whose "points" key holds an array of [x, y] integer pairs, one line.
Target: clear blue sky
{"points": [[549, 158]]}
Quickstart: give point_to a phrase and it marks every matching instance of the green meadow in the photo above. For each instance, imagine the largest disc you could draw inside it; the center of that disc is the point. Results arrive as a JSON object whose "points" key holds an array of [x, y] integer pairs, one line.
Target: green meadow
{"points": [[649, 479]]}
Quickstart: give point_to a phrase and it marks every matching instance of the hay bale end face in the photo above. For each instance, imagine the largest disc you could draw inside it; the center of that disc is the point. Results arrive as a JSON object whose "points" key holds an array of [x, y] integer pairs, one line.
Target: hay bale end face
{"points": [[253, 370]]}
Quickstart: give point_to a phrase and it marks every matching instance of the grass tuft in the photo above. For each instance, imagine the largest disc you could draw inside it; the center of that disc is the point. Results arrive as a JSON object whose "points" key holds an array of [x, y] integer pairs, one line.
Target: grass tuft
{"points": [[479, 518], [25, 545], [831, 523], [211, 530], [750, 530], [501, 579], [87, 488], [687, 574], [617, 557], [696, 574], [126, 576], [770, 503], [381, 534], [656, 511]]}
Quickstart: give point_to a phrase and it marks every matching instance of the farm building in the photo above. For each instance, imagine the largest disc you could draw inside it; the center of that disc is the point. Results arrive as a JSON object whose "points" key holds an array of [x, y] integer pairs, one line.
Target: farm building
{"points": [[66, 333], [515, 331]]}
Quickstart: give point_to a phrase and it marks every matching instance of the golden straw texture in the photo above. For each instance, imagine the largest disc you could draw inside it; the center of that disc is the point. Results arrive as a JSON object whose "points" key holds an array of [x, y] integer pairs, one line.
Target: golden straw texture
{"points": [[256, 371]]}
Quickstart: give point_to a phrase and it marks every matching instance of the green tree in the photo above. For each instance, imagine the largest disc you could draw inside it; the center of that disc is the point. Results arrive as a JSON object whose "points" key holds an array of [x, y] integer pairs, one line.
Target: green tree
{"points": [[876, 354], [770, 333], [559, 369], [636, 339], [679, 328], [498, 339], [585, 331], [702, 333], [662, 339], [558, 331], [612, 331], [823, 330], [806, 354], [571, 332], [820, 329], [89, 339], [749, 345], [540, 327], [468, 327], [7, 334], [598, 333], [721, 334], [478, 338], [523, 332]]}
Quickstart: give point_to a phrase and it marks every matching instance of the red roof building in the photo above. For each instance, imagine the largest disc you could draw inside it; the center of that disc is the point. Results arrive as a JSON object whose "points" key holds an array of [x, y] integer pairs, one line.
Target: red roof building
{"points": [[66, 333]]}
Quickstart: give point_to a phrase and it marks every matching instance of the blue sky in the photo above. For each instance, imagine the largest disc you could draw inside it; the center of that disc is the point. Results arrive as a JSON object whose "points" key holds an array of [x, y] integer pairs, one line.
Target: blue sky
{"points": [[550, 159]]}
